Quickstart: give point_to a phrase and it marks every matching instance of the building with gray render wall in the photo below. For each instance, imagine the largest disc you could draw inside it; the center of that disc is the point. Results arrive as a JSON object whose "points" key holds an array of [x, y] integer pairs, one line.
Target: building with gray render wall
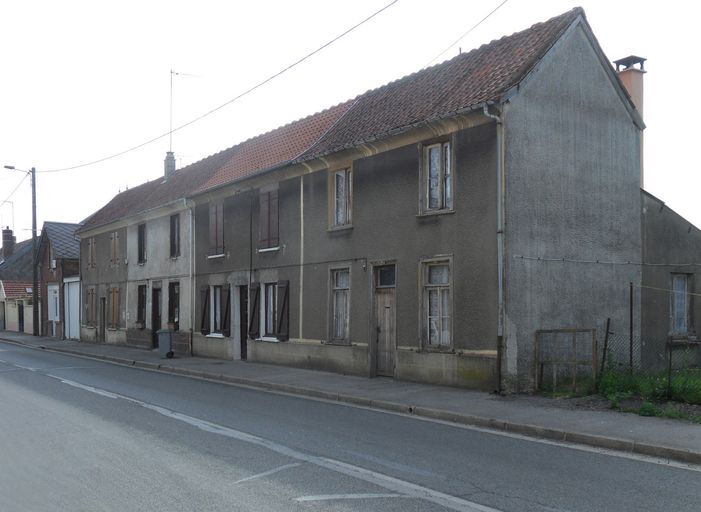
{"points": [[425, 230]]}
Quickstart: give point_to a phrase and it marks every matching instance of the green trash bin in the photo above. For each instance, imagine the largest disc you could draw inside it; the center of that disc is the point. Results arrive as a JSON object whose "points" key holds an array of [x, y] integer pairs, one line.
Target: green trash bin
{"points": [[165, 339]]}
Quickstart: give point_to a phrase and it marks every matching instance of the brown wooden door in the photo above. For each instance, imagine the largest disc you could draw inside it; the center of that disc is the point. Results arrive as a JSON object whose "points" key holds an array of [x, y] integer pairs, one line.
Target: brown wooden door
{"points": [[384, 316]]}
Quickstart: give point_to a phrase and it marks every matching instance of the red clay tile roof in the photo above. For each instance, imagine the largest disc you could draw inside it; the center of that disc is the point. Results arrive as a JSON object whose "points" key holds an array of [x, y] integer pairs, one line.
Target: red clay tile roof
{"points": [[276, 147], [17, 289], [464, 82], [457, 85], [157, 192]]}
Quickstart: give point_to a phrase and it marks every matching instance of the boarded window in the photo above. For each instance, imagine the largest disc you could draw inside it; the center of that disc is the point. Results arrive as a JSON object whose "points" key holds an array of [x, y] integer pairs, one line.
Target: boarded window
{"points": [[90, 306], [114, 248], [437, 304], [175, 235], [174, 305], [216, 229], [141, 305], [141, 243], [114, 308], [268, 220], [340, 304], [437, 177]]}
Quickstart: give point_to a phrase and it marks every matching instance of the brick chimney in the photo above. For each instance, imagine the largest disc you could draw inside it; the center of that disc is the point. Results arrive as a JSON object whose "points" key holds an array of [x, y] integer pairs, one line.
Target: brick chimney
{"points": [[8, 242], [631, 70], [169, 164]]}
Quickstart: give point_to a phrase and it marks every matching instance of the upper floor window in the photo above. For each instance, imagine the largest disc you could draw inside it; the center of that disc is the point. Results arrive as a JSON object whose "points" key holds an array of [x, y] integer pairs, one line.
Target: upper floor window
{"points": [[437, 177], [175, 235], [342, 194], [114, 248], [92, 260], [141, 242], [216, 229], [437, 303], [681, 318], [269, 236]]}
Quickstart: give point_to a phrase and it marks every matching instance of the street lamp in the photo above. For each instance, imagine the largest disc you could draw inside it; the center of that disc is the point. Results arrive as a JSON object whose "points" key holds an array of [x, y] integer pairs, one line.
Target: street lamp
{"points": [[35, 286]]}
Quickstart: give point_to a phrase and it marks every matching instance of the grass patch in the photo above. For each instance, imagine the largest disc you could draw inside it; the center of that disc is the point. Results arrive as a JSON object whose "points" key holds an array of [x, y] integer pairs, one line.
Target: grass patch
{"points": [[685, 385]]}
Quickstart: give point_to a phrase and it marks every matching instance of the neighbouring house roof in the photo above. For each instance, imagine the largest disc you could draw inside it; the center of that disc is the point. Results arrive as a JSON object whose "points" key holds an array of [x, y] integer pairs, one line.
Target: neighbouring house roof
{"points": [[18, 267], [63, 240], [17, 289], [464, 82]]}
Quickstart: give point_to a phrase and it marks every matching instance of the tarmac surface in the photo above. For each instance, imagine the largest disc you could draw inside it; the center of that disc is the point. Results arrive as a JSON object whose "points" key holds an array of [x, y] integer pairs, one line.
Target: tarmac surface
{"points": [[661, 438]]}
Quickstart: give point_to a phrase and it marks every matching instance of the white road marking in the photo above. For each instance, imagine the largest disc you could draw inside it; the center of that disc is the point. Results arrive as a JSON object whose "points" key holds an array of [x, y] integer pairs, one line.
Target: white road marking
{"points": [[388, 482], [329, 497], [267, 473]]}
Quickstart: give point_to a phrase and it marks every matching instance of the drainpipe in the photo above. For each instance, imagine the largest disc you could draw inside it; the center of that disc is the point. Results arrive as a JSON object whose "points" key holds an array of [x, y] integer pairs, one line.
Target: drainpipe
{"points": [[191, 209], [500, 239]]}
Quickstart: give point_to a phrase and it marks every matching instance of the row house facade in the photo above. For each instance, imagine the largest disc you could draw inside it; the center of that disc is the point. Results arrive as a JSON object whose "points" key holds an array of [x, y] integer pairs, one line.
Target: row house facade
{"points": [[407, 232]]}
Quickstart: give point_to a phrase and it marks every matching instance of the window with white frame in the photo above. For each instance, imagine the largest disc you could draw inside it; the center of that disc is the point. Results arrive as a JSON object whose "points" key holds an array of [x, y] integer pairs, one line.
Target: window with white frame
{"points": [[340, 304], [680, 305], [216, 310], [270, 309], [437, 304], [437, 179], [342, 197]]}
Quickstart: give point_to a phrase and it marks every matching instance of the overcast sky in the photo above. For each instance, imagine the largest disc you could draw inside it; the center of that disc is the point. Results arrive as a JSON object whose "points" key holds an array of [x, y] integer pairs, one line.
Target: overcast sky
{"points": [[81, 80]]}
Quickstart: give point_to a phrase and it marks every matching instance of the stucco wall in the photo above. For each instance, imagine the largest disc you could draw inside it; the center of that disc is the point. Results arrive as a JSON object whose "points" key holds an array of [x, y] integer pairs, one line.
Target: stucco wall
{"points": [[385, 227], [670, 244], [572, 192]]}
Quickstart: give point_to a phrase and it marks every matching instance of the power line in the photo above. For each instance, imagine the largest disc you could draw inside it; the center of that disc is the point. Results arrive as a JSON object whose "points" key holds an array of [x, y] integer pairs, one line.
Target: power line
{"points": [[245, 93], [604, 262], [473, 27], [15, 189]]}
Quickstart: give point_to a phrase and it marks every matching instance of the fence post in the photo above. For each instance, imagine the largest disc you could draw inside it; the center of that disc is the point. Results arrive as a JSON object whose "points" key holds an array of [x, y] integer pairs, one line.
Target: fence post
{"points": [[603, 357], [669, 369], [630, 319]]}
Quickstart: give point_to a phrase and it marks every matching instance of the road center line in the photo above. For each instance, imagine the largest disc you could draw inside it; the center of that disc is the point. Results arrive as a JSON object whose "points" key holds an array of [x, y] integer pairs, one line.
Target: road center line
{"points": [[329, 497], [390, 483], [267, 473]]}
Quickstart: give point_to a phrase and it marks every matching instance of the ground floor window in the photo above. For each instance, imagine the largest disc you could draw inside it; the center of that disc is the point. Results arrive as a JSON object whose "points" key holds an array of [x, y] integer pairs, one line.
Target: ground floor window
{"points": [[269, 311], [174, 305], [141, 305], [114, 308], [215, 305], [680, 306], [90, 316], [340, 304], [437, 303]]}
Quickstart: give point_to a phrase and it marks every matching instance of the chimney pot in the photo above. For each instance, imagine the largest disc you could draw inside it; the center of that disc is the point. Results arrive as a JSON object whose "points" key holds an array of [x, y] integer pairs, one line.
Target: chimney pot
{"points": [[8, 242], [169, 164]]}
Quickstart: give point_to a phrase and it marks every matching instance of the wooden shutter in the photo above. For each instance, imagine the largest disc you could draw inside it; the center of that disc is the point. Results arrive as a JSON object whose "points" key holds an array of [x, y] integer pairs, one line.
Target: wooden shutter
{"points": [[254, 307], [274, 237], [283, 310], [264, 220], [225, 328], [212, 229], [112, 249], [204, 298]]}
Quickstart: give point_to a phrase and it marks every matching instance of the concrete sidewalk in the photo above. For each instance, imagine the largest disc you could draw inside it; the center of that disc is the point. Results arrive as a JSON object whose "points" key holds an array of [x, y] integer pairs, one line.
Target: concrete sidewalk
{"points": [[657, 437]]}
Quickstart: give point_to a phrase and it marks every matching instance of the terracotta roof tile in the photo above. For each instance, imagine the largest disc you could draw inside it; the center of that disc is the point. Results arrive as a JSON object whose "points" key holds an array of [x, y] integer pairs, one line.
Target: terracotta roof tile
{"points": [[17, 289], [461, 83]]}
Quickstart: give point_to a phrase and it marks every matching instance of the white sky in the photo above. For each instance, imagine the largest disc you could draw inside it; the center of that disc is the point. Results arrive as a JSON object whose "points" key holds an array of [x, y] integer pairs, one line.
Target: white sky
{"points": [[80, 80]]}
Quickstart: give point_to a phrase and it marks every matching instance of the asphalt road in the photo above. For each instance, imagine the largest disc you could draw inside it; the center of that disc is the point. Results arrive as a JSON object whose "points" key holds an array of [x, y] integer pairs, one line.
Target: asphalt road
{"points": [[83, 435]]}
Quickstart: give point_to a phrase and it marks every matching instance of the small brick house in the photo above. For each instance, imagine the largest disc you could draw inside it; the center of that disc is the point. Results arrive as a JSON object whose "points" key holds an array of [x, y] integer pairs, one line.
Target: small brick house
{"points": [[58, 258]]}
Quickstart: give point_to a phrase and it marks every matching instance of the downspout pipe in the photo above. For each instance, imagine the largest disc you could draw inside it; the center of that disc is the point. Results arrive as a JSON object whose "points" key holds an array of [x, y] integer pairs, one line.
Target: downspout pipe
{"points": [[500, 240], [191, 209]]}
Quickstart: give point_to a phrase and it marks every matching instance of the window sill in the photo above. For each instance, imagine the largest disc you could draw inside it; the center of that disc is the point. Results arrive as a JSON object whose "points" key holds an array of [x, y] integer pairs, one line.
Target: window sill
{"points": [[215, 335], [438, 350], [215, 256], [175, 258], [433, 213], [337, 343], [269, 249], [342, 227], [141, 263], [271, 339]]}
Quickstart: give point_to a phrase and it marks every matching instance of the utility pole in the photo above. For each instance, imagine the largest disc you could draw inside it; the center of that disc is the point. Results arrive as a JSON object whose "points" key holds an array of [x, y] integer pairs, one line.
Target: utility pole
{"points": [[35, 283]]}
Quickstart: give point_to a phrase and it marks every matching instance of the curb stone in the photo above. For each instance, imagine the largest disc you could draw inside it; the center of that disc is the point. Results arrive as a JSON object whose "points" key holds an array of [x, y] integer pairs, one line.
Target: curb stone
{"points": [[597, 441]]}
